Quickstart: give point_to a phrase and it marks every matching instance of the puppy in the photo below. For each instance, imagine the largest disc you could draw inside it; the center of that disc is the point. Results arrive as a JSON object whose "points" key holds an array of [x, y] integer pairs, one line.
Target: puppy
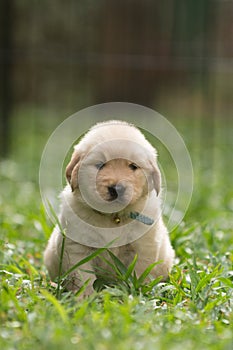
{"points": [[112, 195]]}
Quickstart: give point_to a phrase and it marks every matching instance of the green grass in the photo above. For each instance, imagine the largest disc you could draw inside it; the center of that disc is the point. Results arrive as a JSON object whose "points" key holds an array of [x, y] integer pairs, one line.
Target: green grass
{"points": [[193, 310]]}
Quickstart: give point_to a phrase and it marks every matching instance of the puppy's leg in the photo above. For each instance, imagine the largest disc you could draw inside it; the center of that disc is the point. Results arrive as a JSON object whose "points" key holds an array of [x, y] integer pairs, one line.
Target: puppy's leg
{"points": [[72, 254], [76, 280], [161, 270], [154, 246], [76, 252], [166, 255], [52, 253]]}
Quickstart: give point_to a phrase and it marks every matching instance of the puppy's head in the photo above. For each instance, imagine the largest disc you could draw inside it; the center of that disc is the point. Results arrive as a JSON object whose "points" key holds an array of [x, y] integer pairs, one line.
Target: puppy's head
{"points": [[116, 170], [120, 180]]}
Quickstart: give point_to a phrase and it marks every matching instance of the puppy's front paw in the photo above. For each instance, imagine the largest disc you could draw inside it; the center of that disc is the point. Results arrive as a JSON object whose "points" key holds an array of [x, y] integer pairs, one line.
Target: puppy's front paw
{"points": [[74, 284], [85, 293]]}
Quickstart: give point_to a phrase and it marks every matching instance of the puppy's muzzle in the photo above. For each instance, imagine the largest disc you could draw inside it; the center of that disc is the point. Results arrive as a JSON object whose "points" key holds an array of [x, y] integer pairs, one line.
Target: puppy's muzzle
{"points": [[116, 192]]}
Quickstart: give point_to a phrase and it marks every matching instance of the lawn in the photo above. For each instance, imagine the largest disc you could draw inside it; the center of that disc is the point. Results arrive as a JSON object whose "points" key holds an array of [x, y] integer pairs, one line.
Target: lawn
{"points": [[193, 310]]}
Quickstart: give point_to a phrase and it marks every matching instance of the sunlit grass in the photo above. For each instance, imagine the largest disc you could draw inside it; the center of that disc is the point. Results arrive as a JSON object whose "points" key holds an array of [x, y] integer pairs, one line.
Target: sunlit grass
{"points": [[193, 310]]}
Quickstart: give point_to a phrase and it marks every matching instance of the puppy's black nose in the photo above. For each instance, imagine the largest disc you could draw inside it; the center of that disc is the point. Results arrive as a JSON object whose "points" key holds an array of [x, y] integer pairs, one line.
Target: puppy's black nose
{"points": [[116, 191]]}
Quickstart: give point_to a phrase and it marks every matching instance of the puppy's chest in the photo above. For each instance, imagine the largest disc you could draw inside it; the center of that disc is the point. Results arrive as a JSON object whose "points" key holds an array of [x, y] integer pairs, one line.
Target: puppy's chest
{"points": [[124, 253]]}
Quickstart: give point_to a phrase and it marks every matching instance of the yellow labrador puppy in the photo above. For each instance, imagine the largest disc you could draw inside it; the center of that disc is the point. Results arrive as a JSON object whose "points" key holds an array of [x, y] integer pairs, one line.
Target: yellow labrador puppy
{"points": [[112, 195]]}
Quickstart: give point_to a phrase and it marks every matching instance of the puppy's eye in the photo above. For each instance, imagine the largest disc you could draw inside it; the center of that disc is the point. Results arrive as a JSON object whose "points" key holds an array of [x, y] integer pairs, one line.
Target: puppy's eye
{"points": [[133, 166], [99, 165]]}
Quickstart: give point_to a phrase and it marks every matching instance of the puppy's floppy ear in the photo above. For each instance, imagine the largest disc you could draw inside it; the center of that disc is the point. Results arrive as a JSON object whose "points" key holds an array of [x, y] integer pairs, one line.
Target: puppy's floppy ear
{"points": [[72, 170], [156, 177]]}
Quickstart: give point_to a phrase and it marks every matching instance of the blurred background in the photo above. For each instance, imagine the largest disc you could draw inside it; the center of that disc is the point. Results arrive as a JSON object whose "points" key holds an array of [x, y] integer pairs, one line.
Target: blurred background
{"points": [[175, 56]]}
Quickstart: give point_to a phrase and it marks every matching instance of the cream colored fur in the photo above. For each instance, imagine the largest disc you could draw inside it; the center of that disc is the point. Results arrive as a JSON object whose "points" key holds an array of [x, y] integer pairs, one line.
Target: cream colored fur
{"points": [[117, 145]]}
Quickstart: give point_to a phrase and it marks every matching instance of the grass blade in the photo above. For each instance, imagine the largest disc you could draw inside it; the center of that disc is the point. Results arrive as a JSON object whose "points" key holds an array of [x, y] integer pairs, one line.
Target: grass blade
{"points": [[207, 278], [131, 268], [57, 221], [148, 287], [84, 261], [119, 265], [147, 271], [53, 300], [83, 288], [87, 259], [226, 281]]}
